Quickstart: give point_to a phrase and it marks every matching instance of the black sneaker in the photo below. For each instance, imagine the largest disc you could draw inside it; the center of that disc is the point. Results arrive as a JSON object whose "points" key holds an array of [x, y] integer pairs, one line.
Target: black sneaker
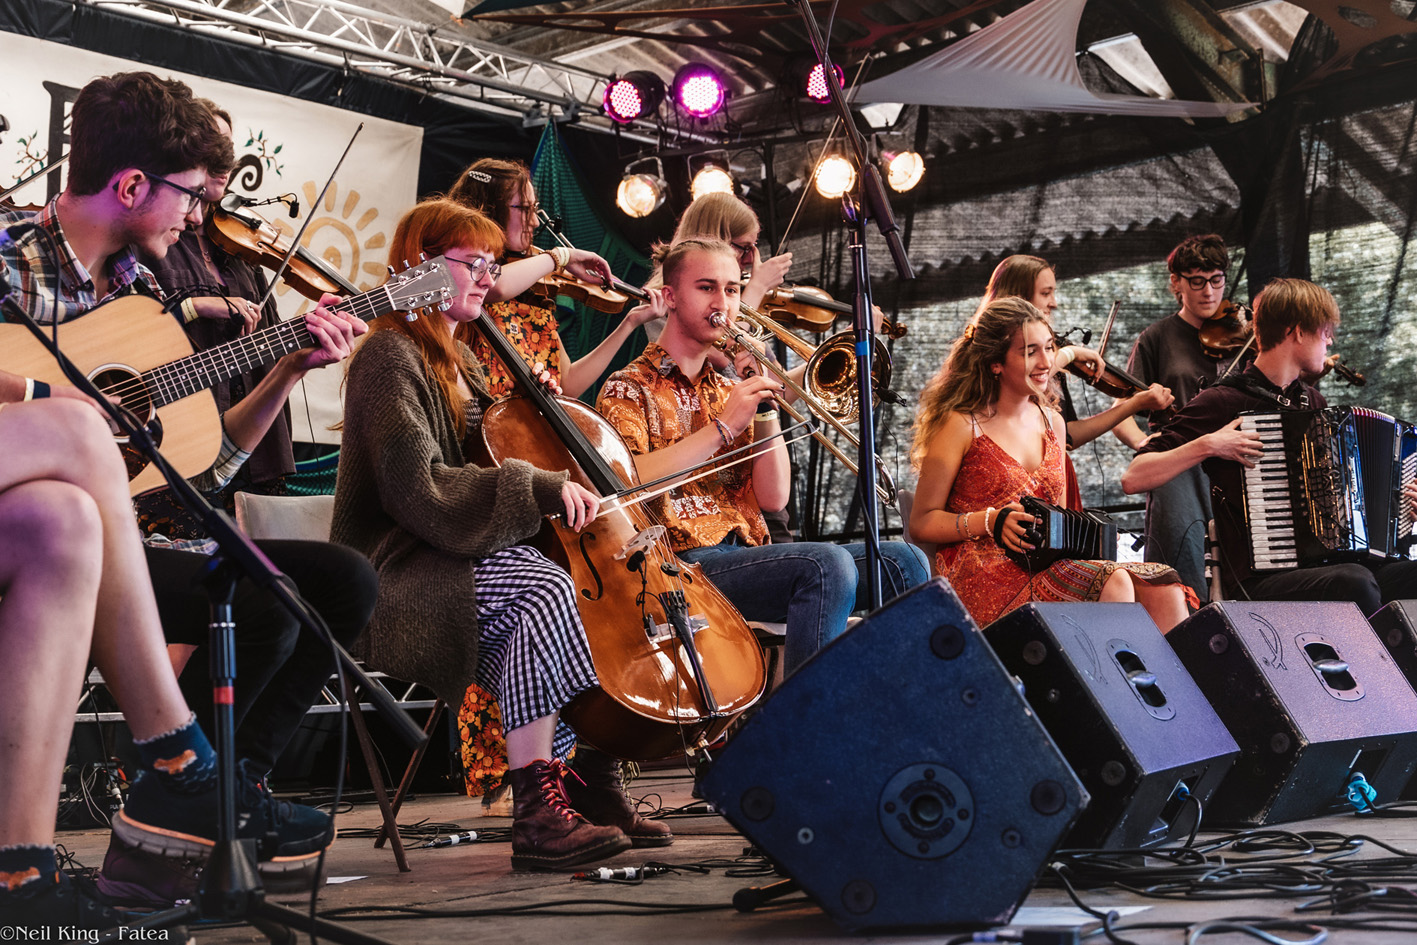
{"points": [[57, 908], [160, 821]]}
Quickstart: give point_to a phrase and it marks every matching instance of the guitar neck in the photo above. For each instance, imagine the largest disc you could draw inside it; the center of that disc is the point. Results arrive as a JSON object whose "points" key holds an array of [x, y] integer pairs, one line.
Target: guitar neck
{"points": [[186, 376]]}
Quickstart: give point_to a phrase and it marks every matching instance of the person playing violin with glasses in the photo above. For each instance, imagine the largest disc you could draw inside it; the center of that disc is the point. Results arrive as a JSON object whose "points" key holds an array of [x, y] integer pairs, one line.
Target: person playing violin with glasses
{"points": [[503, 191], [1170, 352]]}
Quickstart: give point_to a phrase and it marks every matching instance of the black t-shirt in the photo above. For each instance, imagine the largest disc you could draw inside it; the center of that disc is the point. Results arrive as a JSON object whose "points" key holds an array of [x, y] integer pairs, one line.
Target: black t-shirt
{"points": [[1207, 412], [1169, 353]]}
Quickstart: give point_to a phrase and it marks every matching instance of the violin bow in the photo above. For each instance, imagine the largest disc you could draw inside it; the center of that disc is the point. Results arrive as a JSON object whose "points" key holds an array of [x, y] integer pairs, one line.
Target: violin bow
{"points": [[309, 218], [43, 171], [1107, 329]]}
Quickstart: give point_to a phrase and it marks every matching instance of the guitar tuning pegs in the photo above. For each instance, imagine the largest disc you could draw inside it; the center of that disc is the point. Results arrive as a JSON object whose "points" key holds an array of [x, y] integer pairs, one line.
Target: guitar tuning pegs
{"points": [[423, 257], [444, 306], [391, 269], [410, 316], [405, 263]]}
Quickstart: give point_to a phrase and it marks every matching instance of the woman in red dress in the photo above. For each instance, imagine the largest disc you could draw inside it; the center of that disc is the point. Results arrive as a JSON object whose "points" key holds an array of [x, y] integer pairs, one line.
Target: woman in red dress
{"points": [[987, 434]]}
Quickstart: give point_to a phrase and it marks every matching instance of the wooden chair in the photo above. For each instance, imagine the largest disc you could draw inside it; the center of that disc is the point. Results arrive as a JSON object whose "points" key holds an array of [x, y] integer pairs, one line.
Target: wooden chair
{"points": [[308, 518]]}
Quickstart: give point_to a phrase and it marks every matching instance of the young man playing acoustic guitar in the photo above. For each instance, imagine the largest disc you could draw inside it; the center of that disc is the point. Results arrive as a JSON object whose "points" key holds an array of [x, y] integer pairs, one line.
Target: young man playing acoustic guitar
{"points": [[143, 150]]}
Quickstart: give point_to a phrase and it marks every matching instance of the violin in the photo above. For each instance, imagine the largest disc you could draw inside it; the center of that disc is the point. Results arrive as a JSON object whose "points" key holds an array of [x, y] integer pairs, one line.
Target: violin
{"points": [[244, 234], [1334, 363], [602, 298], [1228, 331], [674, 659], [812, 309]]}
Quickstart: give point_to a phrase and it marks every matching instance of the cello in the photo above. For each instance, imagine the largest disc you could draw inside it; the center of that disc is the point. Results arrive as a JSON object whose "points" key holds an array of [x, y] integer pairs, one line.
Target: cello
{"points": [[676, 662]]}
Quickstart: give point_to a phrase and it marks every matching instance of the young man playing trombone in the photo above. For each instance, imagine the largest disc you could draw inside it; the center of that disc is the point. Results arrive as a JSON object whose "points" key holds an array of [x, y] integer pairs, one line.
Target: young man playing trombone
{"points": [[677, 413]]}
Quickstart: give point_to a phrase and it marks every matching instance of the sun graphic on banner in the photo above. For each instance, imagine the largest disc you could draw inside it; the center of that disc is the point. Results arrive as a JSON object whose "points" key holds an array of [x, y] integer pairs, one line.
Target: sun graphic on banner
{"points": [[344, 235]]}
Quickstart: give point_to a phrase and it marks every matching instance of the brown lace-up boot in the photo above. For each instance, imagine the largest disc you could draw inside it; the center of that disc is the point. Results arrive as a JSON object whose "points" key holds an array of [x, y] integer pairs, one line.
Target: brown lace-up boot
{"points": [[547, 834], [597, 790]]}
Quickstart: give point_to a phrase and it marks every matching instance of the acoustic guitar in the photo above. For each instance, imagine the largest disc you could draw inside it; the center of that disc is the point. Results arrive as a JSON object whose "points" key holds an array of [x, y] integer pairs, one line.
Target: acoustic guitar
{"points": [[132, 349]]}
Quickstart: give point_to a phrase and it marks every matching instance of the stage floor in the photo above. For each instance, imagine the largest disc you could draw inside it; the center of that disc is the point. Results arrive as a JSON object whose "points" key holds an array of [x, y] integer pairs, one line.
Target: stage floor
{"points": [[689, 908]]}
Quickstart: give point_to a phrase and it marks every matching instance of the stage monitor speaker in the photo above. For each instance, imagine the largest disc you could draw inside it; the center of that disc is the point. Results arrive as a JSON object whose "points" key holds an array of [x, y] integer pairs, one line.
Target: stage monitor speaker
{"points": [[899, 776], [1125, 713], [1396, 627], [1312, 698]]}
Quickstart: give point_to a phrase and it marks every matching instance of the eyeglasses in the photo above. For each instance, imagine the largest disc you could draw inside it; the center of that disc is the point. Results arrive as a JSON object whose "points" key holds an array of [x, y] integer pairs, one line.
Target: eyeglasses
{"points": [[744, 249], [532, 210], [478, 267], [194, 197], [1200, 282]]}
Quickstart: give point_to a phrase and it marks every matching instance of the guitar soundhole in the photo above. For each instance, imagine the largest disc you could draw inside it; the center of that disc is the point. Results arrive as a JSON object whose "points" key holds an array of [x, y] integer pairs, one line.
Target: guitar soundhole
{"points": [[133, 394]]}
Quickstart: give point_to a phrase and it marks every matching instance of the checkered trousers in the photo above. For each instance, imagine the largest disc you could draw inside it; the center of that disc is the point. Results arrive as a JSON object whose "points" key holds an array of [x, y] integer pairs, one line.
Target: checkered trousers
{"points": [[532, 649]]}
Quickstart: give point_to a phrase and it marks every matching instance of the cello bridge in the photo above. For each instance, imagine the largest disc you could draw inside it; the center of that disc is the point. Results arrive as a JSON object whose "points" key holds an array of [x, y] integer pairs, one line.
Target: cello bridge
{"points": [[655, 630]]}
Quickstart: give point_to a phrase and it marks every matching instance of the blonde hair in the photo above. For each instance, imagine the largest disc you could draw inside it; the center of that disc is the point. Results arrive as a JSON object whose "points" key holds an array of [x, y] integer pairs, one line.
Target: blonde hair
{"points": [[719, 217], [966, 384]]}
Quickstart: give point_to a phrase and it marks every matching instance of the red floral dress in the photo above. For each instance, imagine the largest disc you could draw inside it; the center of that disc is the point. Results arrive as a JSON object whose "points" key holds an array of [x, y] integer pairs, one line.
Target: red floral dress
{"points": [[531, 328], [988, 583]]}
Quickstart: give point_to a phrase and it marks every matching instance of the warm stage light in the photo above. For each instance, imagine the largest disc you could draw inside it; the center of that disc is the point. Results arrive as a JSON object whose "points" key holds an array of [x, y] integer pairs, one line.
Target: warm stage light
{"points": [[817, 89], [903, 170], [633, 95], [711, 179], [834, 177], [639, 195], [699, 90]]}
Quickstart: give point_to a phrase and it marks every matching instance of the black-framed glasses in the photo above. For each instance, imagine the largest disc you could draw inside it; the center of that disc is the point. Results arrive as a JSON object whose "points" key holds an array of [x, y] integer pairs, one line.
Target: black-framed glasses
{"points": [[743, 249], [478, 267], [1200, 282], [532, 210], [194, 197]]}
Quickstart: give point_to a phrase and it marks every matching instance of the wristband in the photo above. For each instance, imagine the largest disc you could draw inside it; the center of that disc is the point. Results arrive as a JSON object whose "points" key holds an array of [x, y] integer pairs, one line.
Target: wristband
{"points": [[763, 416], [562, 257], [34, 389], [723, 433], [999, 526]]}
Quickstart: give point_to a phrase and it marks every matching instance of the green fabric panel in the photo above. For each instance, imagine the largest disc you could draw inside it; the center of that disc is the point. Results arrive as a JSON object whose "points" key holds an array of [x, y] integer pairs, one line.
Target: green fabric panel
{"points": [[561, 189]]}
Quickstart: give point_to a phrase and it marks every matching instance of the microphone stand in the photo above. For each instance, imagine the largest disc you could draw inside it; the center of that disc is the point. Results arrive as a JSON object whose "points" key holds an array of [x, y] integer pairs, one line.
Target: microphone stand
{"points": [[869, 203], [230, 887]]}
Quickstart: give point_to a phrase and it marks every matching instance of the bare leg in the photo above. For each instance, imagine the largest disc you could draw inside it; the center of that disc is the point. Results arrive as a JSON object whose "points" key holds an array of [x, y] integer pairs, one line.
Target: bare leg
{"points": [[1120, 588], [49, 576], [531, 741], [66, 441], [1166, 603]]}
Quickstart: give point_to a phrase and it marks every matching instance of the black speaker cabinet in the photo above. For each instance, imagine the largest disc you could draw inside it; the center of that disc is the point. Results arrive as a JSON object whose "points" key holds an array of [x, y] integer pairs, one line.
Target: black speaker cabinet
{"points": [[899, 776], [1396, 627], [1312, 698], [1126, 714]]}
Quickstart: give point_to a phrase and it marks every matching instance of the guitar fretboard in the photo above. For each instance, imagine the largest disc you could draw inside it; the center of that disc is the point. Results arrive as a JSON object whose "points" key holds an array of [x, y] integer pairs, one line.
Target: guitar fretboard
{"points": [[186, 376]]}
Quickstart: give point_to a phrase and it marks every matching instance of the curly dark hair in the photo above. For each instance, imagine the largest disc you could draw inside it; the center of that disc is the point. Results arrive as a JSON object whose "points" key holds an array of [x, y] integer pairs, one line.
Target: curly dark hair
{"points": [[137, 120]]}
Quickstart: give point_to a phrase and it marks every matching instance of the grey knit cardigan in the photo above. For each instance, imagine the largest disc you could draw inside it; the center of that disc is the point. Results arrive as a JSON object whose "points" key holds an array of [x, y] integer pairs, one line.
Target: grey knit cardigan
{"points": [[408, 498]]}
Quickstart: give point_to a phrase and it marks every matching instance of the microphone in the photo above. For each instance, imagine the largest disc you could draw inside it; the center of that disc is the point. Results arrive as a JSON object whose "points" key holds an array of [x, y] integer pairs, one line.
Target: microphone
{"points": [[234, 201]]}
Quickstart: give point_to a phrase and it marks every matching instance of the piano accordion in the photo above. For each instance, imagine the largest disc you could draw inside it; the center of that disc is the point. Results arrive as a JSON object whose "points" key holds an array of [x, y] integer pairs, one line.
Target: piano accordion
{"points": [[1059, 533], [1328, 487]]}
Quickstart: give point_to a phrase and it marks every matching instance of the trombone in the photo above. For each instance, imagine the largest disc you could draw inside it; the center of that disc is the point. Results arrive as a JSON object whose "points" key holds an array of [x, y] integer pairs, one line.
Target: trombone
{"points": [[831, 378]]}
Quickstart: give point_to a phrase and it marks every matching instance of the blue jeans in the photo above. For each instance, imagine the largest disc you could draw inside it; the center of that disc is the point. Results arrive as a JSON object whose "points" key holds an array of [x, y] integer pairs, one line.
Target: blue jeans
{"points": [[812, 586]]}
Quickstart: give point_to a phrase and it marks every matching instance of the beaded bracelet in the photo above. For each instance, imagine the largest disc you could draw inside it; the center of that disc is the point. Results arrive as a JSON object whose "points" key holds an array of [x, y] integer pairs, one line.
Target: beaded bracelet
{"points": [[723, 433], [561, 255], [968, 534], [987, 514]]}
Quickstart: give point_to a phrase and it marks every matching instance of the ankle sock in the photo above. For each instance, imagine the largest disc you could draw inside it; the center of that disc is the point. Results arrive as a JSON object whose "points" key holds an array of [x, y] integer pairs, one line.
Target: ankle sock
{"points": [[182, 759], [26, 865]]}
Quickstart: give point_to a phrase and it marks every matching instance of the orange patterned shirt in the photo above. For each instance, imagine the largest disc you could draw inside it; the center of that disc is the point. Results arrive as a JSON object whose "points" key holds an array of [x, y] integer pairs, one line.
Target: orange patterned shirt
{"points": [[654, 405], [531, 329]]}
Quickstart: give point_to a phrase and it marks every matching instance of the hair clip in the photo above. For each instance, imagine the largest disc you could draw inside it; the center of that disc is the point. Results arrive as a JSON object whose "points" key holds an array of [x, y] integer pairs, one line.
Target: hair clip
{"points": [[969, 332], [483, 176]]}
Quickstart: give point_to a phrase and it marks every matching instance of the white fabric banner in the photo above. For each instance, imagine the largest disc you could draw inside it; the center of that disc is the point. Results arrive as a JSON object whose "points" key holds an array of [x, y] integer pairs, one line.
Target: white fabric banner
{"points": [[1027, 60], [283, 145]]}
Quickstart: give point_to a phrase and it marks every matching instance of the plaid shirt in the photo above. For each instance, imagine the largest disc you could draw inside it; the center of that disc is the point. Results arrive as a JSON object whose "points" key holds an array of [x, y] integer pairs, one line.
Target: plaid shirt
{"points": [[52, 284], [654, 405], [49, 282]]}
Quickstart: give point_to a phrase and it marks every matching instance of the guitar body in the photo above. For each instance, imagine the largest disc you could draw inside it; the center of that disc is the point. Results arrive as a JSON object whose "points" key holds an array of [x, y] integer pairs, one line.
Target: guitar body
{"points": [[113, 345]]}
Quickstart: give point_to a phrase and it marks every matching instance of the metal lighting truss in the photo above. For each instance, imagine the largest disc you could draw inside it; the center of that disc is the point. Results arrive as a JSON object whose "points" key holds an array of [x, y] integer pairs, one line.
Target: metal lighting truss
{"points": [[477, 75]]}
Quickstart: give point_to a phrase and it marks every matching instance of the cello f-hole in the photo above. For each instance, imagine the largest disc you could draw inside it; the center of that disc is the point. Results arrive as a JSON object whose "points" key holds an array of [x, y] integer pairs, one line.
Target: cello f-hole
{"points": [[586, 539]]}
